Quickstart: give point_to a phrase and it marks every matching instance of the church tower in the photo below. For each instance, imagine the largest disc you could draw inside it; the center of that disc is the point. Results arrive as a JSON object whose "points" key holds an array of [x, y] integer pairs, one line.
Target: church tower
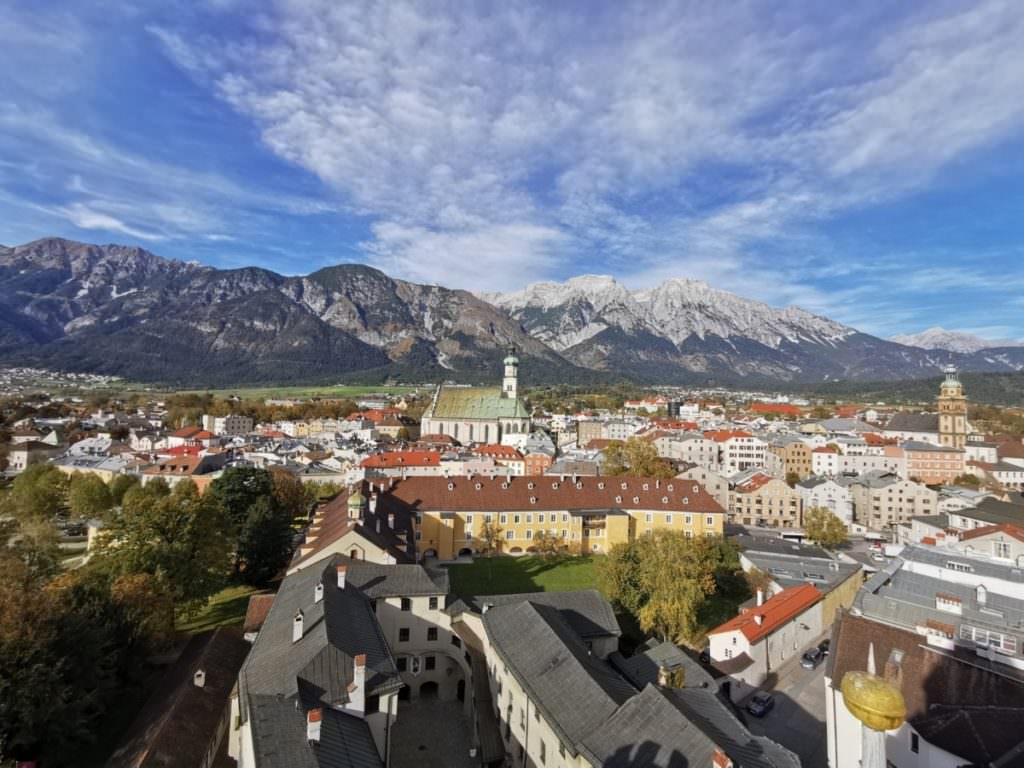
{"points": [[952, 411], [510, 385]]}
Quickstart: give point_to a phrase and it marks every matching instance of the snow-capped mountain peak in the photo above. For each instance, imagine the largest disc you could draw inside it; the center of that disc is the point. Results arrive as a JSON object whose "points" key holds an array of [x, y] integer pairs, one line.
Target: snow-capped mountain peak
{"points": [[950, 341]]}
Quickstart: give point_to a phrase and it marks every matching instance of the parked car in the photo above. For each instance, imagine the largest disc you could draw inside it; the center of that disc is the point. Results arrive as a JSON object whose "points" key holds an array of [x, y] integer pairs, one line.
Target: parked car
{"points": [[812, 658], [760, 704], [878, 557]]}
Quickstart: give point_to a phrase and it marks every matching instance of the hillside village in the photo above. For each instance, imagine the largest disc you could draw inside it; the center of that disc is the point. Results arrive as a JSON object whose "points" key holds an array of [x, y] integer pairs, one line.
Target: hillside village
{"points": [[363, 652]]}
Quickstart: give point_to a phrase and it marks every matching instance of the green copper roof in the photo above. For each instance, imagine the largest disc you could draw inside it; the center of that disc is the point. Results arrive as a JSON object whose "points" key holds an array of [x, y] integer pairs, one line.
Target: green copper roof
{"points": [[476, 403]]}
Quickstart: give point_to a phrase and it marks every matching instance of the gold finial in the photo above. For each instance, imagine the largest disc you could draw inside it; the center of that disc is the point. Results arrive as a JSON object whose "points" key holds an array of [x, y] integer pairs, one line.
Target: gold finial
{"points": [[875, 702]]}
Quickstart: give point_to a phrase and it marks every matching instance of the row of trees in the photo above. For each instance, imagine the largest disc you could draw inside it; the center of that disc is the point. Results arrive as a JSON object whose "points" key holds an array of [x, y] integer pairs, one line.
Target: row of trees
{"points": [[71, 643]]}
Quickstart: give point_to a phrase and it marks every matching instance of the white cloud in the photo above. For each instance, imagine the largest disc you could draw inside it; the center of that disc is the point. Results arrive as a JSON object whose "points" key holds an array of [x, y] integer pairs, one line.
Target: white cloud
{"points": [[656, 141], [85, 217]]}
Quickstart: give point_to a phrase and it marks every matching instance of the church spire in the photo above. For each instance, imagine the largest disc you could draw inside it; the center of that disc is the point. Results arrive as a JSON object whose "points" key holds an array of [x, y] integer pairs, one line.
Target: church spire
{"points": [[510, 383]]}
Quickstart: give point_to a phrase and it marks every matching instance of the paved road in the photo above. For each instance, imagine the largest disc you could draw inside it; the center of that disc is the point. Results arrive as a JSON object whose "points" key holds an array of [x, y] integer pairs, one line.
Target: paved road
{"points": [[798, 720]]}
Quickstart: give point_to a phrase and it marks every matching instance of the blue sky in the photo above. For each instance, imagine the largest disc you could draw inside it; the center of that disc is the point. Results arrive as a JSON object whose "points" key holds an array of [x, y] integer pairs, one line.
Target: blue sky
{"points": [[863, 162]]}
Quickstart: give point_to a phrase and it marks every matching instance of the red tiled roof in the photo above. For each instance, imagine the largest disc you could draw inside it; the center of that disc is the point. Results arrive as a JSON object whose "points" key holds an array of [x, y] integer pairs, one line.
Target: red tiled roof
{"points": [[598, 444], [787, 410], [184, 450], [498, 451], [548, 492], [393, 459], [754, 483], [1009, 529], [775, 612], [186, 432], [825, 449], [674, 424], [256, 613], [721, 435]]}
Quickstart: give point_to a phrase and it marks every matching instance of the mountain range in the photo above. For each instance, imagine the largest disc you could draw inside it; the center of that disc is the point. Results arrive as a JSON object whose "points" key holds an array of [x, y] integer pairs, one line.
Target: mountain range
{"points": [[121, 310], [951, 341]]}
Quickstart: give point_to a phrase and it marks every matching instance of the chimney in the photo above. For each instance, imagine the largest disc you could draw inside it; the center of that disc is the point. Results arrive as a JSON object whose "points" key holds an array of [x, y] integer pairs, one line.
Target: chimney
{"points": [[378, 525], [318, 592], [373, 503], [357, 688], [297, 627], [663, 676], [313, 718], [342, 570], [391, 520], [199, 678], [759, 619], [720, 760], [760, 597], [487, 607]]}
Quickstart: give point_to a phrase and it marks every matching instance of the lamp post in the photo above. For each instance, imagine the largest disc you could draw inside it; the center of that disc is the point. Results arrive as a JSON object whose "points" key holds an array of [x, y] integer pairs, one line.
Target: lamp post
{"points": [[879, 706]]}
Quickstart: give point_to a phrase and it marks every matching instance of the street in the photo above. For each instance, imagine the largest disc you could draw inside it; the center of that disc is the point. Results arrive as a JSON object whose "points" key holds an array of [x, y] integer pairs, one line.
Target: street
{"points": [[797, 721]]}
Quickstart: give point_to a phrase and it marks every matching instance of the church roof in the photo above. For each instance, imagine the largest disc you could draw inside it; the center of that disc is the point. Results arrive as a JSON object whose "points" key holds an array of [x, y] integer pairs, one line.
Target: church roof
{"points": [[475, 403]]}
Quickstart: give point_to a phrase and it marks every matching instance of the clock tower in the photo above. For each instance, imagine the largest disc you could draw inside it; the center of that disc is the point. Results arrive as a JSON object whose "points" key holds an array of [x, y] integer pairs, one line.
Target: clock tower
{"points": [[952, 411]]}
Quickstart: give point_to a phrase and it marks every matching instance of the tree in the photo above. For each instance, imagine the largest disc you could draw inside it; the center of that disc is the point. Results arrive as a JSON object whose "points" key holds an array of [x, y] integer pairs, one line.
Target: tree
{"points": [[39, 492], [265, 542], [119, 486], [490, 538], [824, 528], [664, 579], [238, 488], [636, 457], [546, 544], [821, 412], [293, 496], [792, 478], [965, 479], [88, 496], [183, 539]]}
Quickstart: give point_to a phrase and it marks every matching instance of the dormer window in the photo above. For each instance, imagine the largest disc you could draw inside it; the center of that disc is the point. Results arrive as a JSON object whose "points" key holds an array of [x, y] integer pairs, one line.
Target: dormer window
{"points": [[624, 486], [636, 499], [530, 485], [618, 499], [554, 486], [600, 486], [686, 500], [669, 488], [696, 489], [451, 486], [646, 486], [664, 499], [533, 499], [478, 486]]}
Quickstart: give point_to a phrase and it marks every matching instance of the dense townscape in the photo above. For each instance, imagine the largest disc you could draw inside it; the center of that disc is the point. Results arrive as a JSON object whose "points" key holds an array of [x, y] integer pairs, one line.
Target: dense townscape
{"points": [[740, 554], [530, 384]]}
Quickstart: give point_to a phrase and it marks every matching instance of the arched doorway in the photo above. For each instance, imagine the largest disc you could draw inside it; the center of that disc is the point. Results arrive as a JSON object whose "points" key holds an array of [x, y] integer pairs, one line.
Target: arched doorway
{"points": [[466, 552], [516, 551], [428, 691], [430, 553], [405, 693]]}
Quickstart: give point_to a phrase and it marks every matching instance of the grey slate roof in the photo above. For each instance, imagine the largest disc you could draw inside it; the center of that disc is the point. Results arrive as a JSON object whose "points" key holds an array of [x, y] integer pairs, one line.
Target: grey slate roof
{"points": [[406, 580], [791, 571], [585, 610], [917, 445], [779, 546], [642, 667], [279, 737], [940, 520], [679, 728], [913, 422], [575, 691], [339, 627], [994, 512]]}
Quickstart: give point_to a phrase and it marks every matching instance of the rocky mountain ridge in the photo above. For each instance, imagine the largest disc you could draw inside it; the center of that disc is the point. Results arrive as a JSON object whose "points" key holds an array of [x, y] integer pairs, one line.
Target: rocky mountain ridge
{"points": [[122, 310]]}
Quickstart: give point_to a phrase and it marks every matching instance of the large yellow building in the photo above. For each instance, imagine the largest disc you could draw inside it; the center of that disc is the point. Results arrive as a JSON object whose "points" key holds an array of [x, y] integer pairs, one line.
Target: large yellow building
{"points": [[584, 514]]}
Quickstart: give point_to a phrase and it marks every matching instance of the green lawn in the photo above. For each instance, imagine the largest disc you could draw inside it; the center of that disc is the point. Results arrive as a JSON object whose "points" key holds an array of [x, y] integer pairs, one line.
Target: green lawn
{"points": [[260, 393], [226, 608], [503, 574]]}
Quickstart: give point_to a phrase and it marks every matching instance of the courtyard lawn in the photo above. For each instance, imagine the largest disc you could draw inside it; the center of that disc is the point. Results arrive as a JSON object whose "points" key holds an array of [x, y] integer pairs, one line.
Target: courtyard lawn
{"points": [[224, 609], [504, 575]]}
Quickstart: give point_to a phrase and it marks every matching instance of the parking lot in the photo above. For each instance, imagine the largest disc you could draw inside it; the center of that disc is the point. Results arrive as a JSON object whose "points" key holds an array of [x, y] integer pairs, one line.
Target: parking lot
{"points": [[797, 721]]}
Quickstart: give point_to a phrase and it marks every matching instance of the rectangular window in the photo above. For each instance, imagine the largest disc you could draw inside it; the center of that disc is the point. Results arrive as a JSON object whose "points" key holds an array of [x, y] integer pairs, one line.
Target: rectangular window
{"points": [[565, 517], [406, 604], [543, 753], [710, 520], [487, 518], [456, 641], [915, 743], [469, 521], [649, 518], [403, 635], [402, 662], [516, 519], [503, 518], [419, 535], [430, 662], [509, 535], [529, 534], [433, 604], [668, 519], [565, 533], [540, 517], [431, 633], [529, 517]]}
